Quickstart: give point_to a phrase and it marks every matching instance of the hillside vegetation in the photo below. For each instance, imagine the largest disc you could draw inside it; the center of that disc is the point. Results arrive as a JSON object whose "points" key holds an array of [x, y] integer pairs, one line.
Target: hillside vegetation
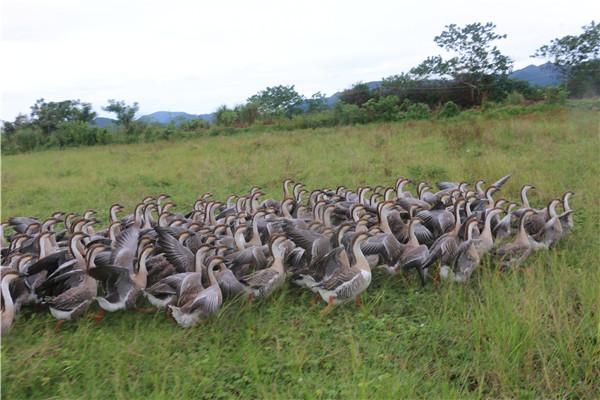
{"points": [[528, 333]]}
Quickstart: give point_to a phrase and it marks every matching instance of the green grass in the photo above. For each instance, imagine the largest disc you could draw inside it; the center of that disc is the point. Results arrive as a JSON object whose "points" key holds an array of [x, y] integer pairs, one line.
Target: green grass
{"points": [[532, 333]]}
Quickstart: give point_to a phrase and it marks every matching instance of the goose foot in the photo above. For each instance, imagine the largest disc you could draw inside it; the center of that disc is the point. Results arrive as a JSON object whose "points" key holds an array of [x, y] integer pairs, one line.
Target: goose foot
{"points": [[315, 299], [147, 310], [357, 302], [59, 323], [99, 316], [327, 308]]}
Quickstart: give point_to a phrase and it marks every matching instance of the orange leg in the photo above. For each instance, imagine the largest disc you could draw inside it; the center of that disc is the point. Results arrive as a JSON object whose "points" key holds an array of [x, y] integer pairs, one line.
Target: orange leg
{"points": [[250, 298], [59, 323], [315, 299], [327, 308], [100, 316], [147, 310], [358, 302]]}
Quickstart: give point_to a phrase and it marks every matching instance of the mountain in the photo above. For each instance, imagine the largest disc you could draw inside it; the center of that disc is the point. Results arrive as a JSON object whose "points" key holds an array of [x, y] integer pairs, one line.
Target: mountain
{"points": [[166, 117], [102, 122], [539, 75]]}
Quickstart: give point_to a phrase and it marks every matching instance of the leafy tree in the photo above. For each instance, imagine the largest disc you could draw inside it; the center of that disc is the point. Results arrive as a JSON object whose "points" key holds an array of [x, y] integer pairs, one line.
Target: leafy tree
{"points": [[476, 60], [316, 103], [358, 94], [20, 122], [578, 59], [125, 114], [278, 100], [48, 115], [225, 116], [571, 50], [247, 113]]}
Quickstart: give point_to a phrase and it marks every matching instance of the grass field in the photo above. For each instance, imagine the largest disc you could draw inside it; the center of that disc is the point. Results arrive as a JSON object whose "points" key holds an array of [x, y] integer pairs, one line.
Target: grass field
{"points": [[529, 333]]}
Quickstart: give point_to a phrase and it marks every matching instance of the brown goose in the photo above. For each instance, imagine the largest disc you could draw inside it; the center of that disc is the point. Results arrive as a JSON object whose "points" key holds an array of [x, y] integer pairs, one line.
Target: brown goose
{"points": [[121, 285], [347, 282], [77, 289], [466, 259], [265, 281], [194, 300], [7, 276], [512, 254]]}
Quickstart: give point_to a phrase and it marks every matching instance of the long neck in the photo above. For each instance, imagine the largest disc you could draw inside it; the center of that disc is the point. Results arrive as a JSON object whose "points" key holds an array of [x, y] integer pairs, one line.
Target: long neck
{"points": [[361, 260], [113, 214], [412, 238], [278, 261], [566, 205], [456, 218], [384, 224], [487, 227], [240, 242], [77, 253], [9, 307], [524, 199], [141, 277], [522, 234]]}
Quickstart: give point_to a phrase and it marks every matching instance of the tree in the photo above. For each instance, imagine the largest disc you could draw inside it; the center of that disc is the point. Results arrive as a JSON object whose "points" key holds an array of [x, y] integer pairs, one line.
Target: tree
{"points": [[578, 59], [316, 103], [358, 94], [570, 50], [125, 114], [278, 101], [48, 115], [476, 60], [20, 122], [225, 116]]}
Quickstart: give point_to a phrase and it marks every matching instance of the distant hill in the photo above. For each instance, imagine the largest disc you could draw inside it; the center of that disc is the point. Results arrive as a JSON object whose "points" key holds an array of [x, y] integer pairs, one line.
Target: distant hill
{"points": [[102, 122], [166, 117], [539, 75]]}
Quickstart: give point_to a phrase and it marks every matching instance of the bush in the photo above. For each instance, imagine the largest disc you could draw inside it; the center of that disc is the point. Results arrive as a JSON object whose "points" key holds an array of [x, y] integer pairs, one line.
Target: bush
{"points": [[78, 133], [514, 98], [555, 95], [383, 108], [28, 139], [417, 111], [448, 110], [348, 114]]}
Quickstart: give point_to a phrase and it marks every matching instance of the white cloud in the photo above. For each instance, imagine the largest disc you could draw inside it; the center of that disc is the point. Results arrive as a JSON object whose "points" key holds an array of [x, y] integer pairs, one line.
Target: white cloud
{"points": [[193, 56]]}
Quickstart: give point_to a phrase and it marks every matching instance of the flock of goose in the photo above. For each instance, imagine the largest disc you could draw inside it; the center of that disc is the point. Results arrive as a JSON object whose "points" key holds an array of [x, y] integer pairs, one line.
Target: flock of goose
{"points": [[189, 263]]}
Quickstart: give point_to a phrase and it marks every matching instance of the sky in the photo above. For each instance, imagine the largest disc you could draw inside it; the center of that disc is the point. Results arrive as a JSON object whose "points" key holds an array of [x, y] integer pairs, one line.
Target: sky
{"points": [[194, 56]]}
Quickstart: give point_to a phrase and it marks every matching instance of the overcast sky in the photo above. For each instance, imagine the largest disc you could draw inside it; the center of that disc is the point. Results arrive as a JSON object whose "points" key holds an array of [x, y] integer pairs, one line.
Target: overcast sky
{"points": [[194, 55]]}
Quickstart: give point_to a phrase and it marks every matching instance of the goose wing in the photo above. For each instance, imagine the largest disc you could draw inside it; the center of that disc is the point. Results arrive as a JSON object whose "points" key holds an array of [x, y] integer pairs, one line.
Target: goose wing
{"points": [[126, 247], [177, 254], [500, 182]]}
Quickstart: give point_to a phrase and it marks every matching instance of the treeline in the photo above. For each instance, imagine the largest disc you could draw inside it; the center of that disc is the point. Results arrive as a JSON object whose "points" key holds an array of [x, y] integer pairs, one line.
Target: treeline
{"points": [[476, 76]]}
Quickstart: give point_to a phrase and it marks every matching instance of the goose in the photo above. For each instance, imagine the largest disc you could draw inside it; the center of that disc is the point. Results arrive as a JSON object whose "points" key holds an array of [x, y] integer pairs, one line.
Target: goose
{"points": [[8, 275], [512, 254], [466, 259], [486, 239], [121, 285], [566, 218], [347, 282], [265, 281], [194, 300], [79, 293]]}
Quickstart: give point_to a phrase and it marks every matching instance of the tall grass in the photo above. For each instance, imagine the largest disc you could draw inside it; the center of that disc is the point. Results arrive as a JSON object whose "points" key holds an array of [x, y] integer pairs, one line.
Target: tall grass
{"points": [[527, 333]]}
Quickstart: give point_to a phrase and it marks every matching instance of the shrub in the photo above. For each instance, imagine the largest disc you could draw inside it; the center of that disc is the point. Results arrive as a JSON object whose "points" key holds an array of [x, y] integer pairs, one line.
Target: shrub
{"points": [[514, 98], [448, 110], [417, 111], [383, 108], [348, 114], [555, 95]]}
